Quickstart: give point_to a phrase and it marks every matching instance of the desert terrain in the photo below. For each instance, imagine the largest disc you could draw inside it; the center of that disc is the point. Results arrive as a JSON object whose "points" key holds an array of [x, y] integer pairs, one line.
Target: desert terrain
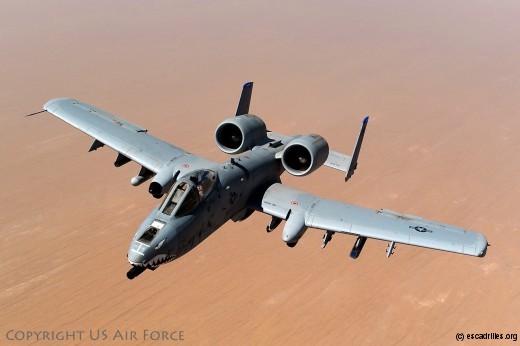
{"points": [[440, 81]]}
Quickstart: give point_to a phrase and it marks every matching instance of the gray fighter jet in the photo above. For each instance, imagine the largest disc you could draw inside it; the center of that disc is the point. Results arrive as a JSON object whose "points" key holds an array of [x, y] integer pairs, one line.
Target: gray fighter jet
{"points": [[201, 195]]}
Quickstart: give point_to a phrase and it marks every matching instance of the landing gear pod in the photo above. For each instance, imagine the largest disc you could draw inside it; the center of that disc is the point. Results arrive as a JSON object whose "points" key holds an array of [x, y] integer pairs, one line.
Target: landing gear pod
{"points": [[163, 181], [294, 229], [143, 175]]}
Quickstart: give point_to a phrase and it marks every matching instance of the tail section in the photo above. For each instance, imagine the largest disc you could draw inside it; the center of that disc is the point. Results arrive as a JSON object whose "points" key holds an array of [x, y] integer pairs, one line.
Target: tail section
{"points": [[353, 162], [245, 99]]}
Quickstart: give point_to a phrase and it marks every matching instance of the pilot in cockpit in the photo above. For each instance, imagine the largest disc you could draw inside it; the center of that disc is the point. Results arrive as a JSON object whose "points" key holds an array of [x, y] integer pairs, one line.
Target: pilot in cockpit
{"points": [[198, 186]]}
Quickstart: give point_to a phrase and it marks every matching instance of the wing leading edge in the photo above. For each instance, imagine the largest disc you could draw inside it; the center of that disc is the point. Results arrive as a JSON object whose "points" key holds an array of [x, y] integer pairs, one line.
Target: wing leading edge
{"points": [[130, 140], [282, 202]]}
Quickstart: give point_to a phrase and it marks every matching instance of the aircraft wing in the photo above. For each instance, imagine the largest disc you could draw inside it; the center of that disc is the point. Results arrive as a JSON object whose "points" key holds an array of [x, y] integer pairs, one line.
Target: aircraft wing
{"points": [[131, 141], [285, 203]]}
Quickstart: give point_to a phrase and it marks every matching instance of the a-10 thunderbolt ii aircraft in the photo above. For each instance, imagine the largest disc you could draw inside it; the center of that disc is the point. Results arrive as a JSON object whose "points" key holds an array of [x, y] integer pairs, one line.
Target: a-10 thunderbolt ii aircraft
{"points": [[201, 195]]}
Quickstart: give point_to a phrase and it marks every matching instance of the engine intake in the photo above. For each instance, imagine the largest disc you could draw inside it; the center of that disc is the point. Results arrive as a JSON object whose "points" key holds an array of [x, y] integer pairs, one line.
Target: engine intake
{"points": [[241, 133], [305, 154]]}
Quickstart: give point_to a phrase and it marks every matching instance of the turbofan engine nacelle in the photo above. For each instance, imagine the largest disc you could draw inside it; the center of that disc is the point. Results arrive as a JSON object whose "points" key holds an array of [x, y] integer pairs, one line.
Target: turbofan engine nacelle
{"points": [[163, 181], [241, 133], [305, 154]]}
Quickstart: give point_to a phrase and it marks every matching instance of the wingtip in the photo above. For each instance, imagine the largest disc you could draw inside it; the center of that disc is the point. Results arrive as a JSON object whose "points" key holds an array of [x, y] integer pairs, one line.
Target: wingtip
{"points": [[248, 84], [482, 244], [365, 120]]}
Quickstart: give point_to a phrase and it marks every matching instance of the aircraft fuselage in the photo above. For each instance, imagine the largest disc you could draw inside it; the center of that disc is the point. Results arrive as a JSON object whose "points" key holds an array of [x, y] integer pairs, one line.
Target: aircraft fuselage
{"points": [[236, 182]]}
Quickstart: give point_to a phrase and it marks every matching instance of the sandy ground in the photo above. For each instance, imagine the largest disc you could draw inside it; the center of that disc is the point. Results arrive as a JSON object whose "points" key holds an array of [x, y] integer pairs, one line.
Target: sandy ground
{"points": [[440, 80]]}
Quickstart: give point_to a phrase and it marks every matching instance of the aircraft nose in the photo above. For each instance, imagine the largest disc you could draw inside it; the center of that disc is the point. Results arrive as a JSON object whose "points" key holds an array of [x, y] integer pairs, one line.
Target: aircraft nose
{"points": [[135, 255]]}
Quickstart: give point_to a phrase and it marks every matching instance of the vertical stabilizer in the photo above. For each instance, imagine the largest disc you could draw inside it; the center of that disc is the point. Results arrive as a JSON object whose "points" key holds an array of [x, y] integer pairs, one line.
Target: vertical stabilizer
{"points": [[245, 99], [355, 154]]}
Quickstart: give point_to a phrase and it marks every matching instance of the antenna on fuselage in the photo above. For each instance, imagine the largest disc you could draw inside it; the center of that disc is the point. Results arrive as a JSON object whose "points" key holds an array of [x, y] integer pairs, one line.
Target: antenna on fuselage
{"points": [[245, 99]]}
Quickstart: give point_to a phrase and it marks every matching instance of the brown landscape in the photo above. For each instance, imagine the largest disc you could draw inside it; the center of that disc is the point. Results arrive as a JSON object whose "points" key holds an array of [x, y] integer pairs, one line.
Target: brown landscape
{"points": [[440, 81]]}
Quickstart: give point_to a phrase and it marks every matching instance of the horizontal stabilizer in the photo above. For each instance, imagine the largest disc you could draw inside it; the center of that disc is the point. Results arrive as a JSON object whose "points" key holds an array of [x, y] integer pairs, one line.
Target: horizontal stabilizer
{"points": [[338, 161]]}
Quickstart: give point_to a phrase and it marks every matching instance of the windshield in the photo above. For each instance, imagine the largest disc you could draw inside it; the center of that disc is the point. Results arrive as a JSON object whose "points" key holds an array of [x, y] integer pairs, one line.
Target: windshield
{"points": [[188, 192], [189, 203], [174, 197]]}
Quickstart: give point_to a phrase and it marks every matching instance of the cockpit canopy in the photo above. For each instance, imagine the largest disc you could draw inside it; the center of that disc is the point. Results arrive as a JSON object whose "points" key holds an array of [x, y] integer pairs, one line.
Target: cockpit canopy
{"points": [[188, 192]]}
